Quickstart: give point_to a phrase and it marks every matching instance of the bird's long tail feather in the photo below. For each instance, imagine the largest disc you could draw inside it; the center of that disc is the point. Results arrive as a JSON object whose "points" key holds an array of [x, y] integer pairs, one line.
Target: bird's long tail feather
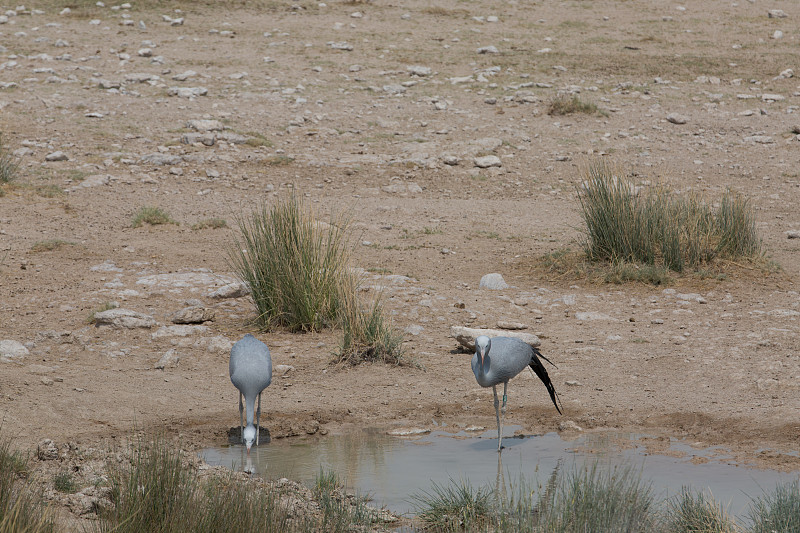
{"points": [[537, 366]]}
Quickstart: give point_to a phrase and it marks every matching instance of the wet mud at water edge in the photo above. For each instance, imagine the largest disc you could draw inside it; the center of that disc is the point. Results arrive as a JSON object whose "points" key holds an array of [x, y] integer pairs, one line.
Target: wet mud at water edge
{"points": [[390, 469]]}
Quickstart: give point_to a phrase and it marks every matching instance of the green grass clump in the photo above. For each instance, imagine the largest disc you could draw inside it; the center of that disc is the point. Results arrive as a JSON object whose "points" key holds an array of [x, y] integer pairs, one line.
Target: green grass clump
{"points": [[106, 306], [151, 215], [9, 166], [778, 511], [20, 510], [594, 499], [297, 269], [368, 335], [569, 105], [693, 513], [457, 506], [50, 245], [64, 482], [210, 223], [158, 492], [339, 513], [653, 226]]}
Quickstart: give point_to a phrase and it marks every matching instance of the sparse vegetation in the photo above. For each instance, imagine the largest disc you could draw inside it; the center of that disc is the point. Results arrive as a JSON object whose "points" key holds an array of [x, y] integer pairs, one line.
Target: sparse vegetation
{"points": [[368, 335], [694, 512], [338, 514], [9, 166], [279, 160], [105, 307], [151, 215], [457, 506], [50, 245], [210, 223], [156, 492], [652, 226], [777, 511], [64, 482], [298, 270], [568, 105], [20, 510], [296, 267]]}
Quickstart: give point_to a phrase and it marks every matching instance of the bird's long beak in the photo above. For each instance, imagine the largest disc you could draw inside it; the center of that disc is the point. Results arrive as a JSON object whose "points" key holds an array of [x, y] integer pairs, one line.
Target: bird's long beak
{"points": [[481, 354]]}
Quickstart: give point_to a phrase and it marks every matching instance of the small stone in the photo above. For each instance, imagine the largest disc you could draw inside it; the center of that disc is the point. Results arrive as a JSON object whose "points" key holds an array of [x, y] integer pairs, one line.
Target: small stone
{"points": [[231, 290], [282, 370], [488, 50], [569, 425], [123, 318], [677, 118], [11, 350], [417, 70], [169, 359], [504, 324], [46, 450], [408, 432], [573, 383], [493, 281], [192, 315], [777, 14], [56, 156], [488, 161], [793, 234]]}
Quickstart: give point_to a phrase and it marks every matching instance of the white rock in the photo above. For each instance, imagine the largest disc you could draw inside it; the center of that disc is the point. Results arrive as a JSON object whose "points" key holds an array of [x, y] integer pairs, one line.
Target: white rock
{"points": [[124, 318], [408, 432], [205, 125], [777, 14], [11, 350], [184, 330], [170, 358], [488, 161], [493, 281], [466, 336], [677, 118], [417, 70], [56, 156], [488, 50], [231, 290]]}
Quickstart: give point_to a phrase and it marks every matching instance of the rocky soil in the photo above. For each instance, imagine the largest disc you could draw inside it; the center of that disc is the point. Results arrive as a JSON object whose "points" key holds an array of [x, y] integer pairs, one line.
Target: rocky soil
{"points": [[429, 124]]}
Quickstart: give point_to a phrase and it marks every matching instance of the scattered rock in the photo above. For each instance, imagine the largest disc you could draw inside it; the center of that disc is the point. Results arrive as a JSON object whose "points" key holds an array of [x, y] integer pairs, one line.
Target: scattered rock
{"points": [[569, 425], [183, 330], [416, 70], [466, 336], [56, 156], [193, 315], [46, 450], [488, 50], [231, 290], [169, 359], [157, 158], [282, 370], [777, 14], [503, 324], [793, 234], [593, 315], [11, 350], [493, 281], [408, 432], [204, 125], [488, 161], [123, 318], [677, 118]]}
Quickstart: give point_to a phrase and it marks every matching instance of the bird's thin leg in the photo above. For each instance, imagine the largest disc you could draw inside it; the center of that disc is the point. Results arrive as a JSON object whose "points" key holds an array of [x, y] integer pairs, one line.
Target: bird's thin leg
{"points": [[241, 418], [497, 414], [503, 408], [258, 417]]}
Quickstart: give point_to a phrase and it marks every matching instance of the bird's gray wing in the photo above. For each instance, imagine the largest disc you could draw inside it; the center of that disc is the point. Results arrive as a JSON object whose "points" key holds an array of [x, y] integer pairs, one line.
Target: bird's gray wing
{"points": [[537, 366]]}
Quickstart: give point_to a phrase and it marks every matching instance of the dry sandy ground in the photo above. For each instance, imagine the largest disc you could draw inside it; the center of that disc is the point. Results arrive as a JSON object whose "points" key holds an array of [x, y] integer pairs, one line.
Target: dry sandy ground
{"points": [[326, 100]]}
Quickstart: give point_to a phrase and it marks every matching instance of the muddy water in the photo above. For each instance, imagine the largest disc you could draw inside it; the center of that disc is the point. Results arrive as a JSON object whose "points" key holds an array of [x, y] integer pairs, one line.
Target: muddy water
{"points": [[390, 469]]}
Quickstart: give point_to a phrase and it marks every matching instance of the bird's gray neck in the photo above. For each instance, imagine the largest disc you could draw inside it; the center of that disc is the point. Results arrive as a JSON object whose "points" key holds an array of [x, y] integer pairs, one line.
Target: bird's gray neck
{"points": [[251, 407]]}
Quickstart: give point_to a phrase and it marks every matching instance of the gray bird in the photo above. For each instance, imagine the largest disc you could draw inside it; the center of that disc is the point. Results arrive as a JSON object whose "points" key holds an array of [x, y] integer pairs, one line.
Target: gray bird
{"points": [[499, 359], [251, 373]]}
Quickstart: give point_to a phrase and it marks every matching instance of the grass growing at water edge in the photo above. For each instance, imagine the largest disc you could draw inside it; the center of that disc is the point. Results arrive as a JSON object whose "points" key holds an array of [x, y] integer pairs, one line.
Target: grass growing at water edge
{"points": [[778, 511], [690, 511]]}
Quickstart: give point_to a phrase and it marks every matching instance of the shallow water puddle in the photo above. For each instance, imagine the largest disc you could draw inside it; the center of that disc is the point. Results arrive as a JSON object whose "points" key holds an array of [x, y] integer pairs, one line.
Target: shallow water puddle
{"points": [[390, 469]]}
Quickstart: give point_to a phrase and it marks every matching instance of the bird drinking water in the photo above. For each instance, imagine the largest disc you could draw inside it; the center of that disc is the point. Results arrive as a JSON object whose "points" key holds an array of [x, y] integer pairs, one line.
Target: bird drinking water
{"points": [[499, 359], [251, 372]]}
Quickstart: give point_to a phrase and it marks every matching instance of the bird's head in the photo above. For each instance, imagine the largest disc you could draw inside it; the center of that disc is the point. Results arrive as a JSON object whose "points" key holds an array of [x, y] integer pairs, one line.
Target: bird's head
{"points": [[249, 436], [482, 345]]}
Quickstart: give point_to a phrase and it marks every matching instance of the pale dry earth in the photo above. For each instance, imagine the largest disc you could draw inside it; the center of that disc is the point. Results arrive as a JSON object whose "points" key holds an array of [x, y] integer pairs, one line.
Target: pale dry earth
{"points": [[330, 100]]}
